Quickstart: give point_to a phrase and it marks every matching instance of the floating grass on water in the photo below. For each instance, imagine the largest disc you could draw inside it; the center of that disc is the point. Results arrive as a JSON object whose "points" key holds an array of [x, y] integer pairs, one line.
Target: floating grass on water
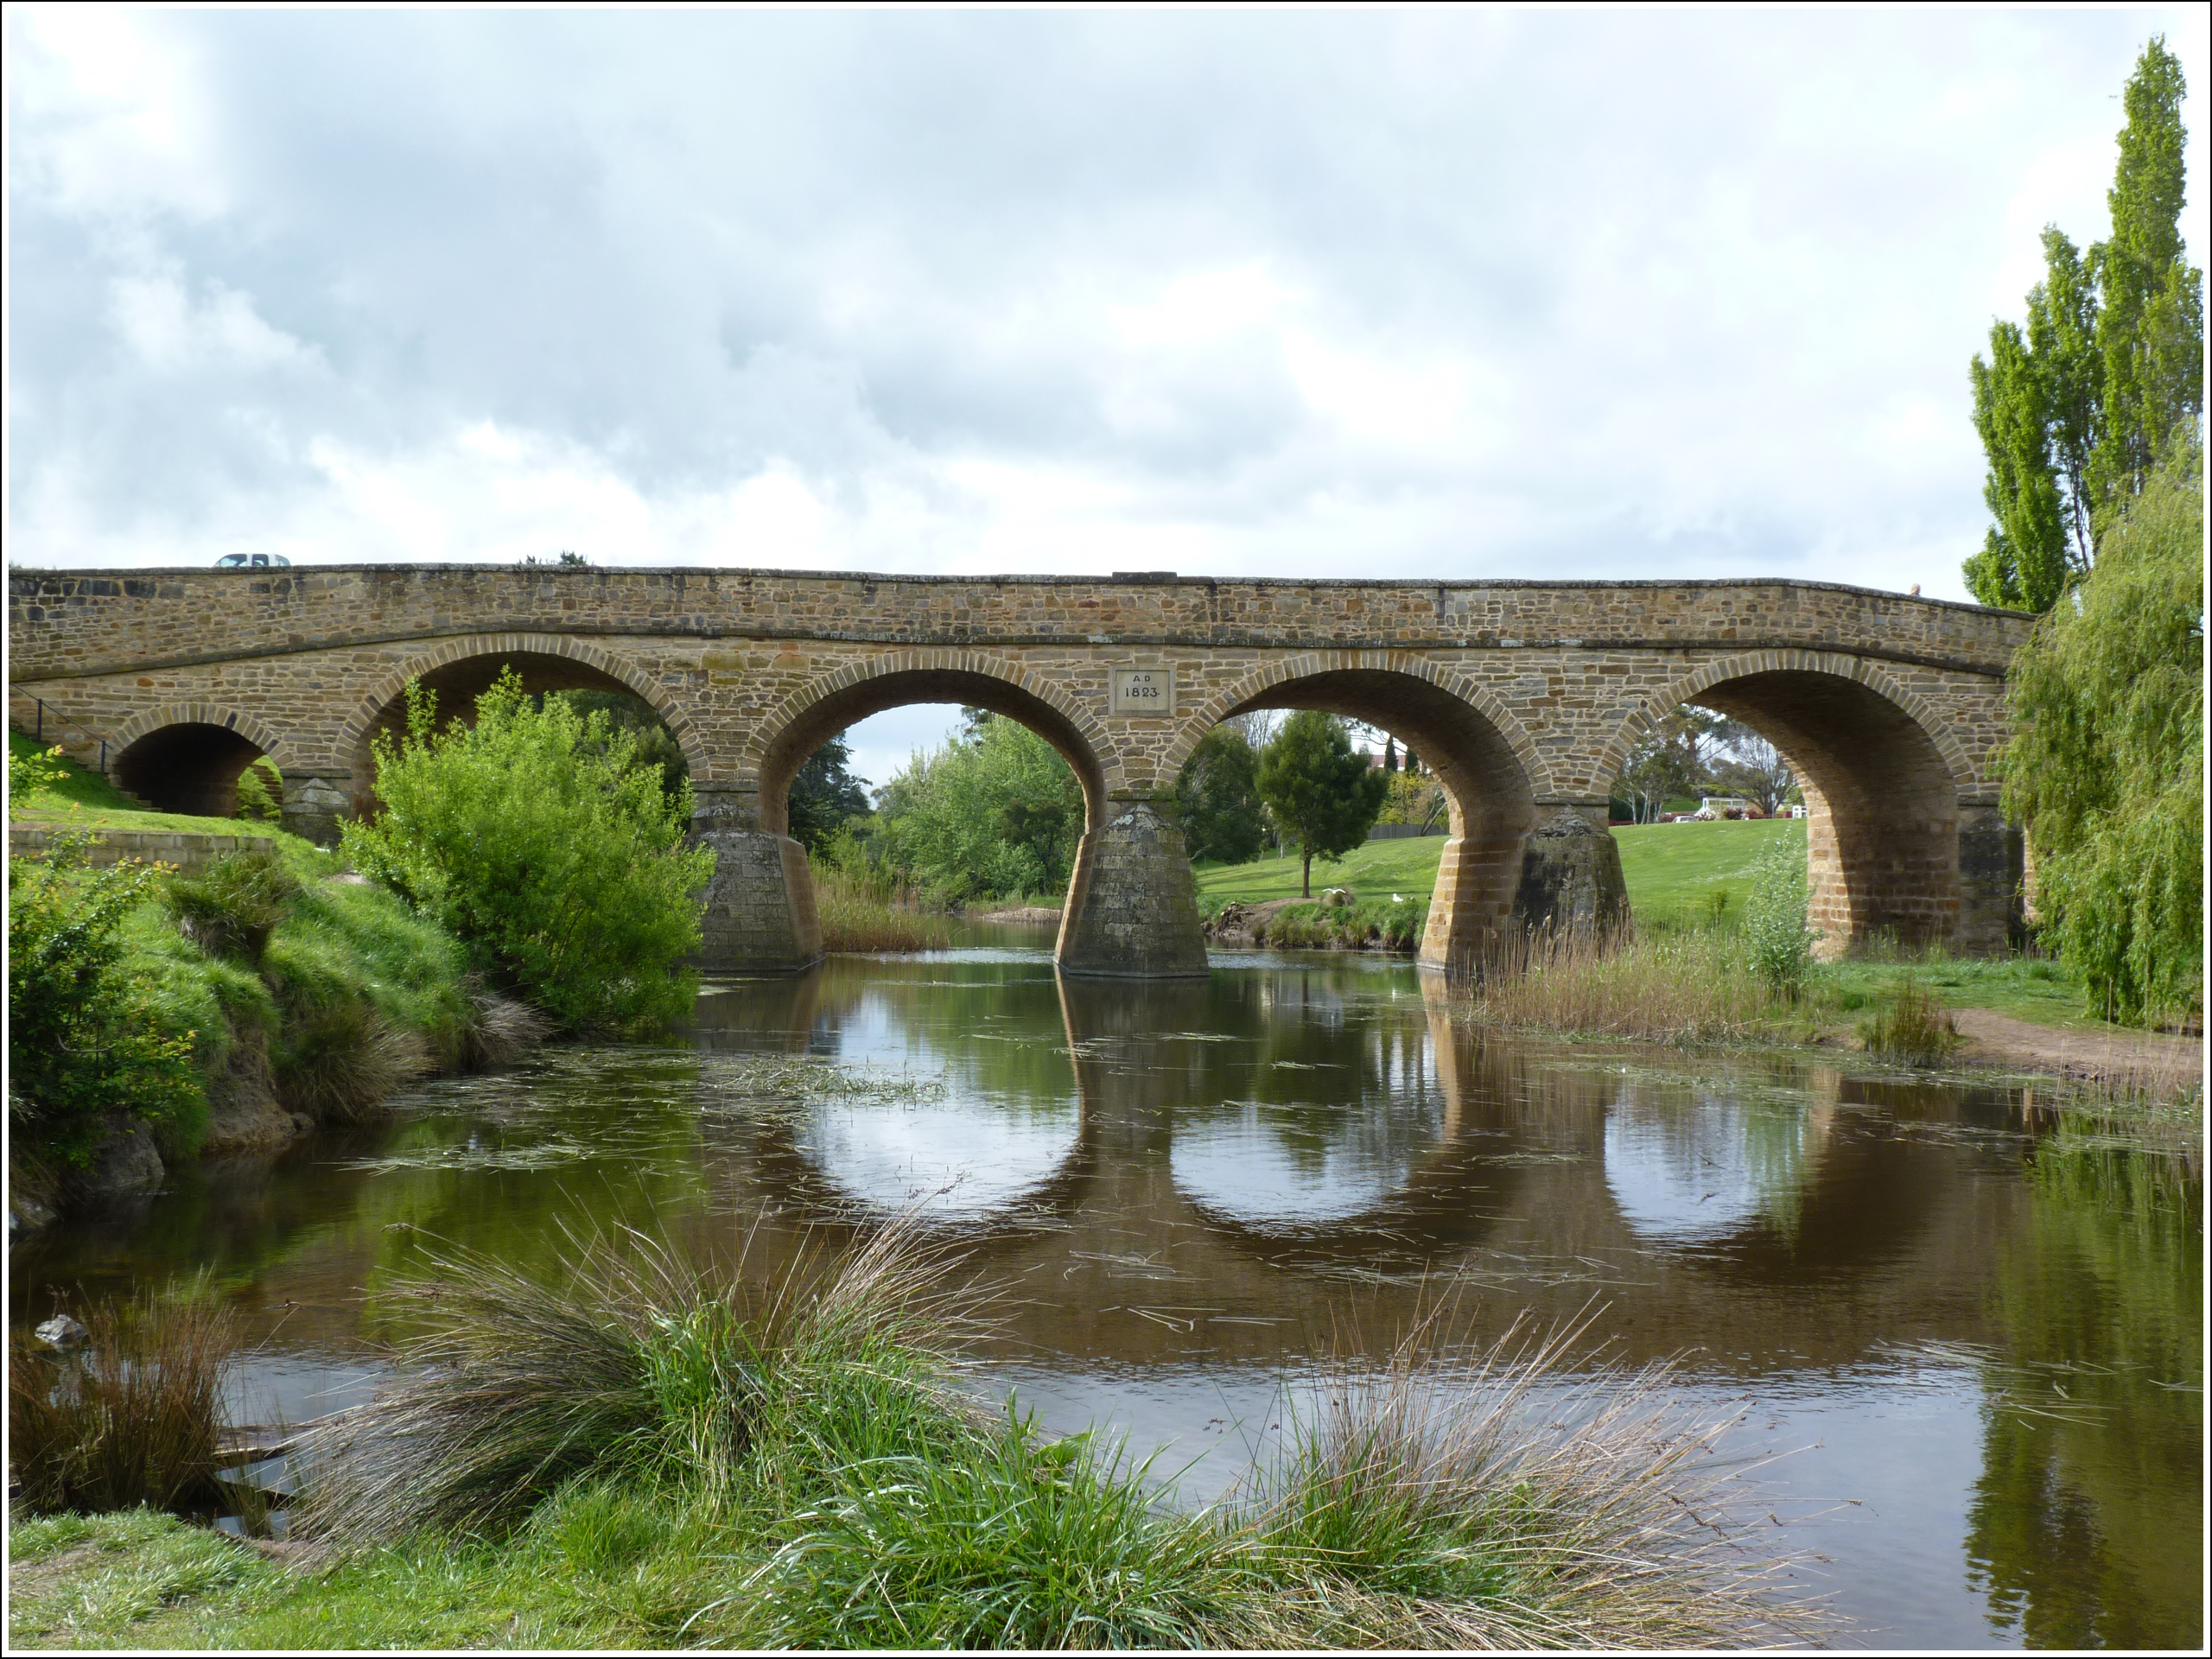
{"points": [[543, 1154]]}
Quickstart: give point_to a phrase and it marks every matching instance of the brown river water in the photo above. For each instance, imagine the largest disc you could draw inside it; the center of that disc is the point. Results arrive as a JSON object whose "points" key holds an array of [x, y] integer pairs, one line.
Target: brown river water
{"points": [[1978, 1343]]}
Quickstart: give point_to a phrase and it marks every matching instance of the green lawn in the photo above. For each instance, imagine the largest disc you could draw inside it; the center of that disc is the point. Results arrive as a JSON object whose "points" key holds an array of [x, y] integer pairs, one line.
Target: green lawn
{"points": [[1673, 871], [84, 799], [1669, 867]]}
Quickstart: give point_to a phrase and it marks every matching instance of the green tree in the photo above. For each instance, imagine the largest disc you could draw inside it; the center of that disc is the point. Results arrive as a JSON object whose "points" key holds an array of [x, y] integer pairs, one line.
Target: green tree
{"points": [[2108, 768], [992, 814], [538, 838], [824, 793], [1323, 793], [2075, 408], [1218, 800]]}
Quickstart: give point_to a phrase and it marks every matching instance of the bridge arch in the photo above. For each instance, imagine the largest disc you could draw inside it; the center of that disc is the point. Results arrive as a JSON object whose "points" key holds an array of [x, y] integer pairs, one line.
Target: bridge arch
{"points": [[188, 756], [464, 666], [1494, 778], [818, 711], [1883, 781]]}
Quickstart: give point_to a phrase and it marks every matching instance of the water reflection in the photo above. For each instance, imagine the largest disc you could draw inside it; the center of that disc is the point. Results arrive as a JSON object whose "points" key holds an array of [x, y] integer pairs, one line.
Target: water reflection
{"points": [[1192, 1187], [1696, 1171]]}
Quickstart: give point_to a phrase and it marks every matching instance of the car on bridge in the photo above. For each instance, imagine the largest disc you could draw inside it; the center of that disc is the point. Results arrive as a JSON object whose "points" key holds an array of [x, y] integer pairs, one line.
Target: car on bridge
{"points": [[250, 561]]}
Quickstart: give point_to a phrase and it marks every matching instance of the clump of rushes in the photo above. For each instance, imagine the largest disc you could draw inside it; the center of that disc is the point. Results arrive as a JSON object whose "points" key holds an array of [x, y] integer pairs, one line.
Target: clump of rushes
{"points": [[1687, 986], [339, 1064], [235, 905], [135, 1417], [1910, 1026], [1496, 1496], [858, 915], [801, 1468]]}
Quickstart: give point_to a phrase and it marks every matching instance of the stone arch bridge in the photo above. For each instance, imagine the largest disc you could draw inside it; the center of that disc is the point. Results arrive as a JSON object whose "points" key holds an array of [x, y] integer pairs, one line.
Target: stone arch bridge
{"points": [[1524, 697]]}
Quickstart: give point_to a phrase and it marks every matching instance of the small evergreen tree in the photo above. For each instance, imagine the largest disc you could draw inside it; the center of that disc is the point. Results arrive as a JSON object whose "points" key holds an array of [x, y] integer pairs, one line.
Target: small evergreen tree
{"points": [[1322, 792], [824, 793]]}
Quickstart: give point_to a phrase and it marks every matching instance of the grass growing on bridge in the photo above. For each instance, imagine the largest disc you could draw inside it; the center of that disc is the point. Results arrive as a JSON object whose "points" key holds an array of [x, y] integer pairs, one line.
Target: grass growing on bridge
{"points": [[649, 1455]]}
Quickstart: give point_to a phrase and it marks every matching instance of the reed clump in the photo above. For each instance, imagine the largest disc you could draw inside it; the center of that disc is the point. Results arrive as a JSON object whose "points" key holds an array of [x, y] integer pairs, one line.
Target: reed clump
{"points": [[1910, 1027], [134, 1416], [859, 914], [811, 1466], [341, 1063], [1689, 985]]}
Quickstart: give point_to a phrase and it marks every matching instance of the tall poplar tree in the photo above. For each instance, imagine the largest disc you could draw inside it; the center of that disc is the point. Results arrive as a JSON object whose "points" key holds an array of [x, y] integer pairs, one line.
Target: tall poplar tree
{"points": [[2075, 408]]}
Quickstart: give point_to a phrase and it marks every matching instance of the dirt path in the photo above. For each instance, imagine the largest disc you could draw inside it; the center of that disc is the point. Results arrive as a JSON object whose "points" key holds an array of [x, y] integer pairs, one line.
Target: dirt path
{"points": [[2095, 1056]]}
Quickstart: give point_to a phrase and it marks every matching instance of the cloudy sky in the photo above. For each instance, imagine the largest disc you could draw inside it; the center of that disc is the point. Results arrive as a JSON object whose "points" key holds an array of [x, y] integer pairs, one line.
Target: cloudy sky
{"points": [[1618, 294]]}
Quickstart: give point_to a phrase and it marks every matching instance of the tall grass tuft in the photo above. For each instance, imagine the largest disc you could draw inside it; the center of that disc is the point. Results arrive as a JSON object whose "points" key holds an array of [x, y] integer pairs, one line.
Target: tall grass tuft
{"points": [[134, 1418], [859, 914], [633, 1362], [1688, 985], [797, 1467], [339, 1063], [497, 1028], [231, 908], [1490, 1496], [1910, 1026]]}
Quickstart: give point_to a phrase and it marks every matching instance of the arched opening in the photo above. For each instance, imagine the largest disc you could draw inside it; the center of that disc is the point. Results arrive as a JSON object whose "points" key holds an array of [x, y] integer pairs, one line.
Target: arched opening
{"points": [[828, 717], [1882, 814], [191, 766], [458, 684], [1492, 800]]}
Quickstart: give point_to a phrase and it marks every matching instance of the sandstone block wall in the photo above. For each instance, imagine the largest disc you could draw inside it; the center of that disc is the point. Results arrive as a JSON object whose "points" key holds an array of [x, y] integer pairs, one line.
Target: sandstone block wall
{"points": [[1525, 697]]}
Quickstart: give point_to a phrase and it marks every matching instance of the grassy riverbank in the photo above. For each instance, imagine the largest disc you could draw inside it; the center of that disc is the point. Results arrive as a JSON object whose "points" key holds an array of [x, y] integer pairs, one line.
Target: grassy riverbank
{"points": [[298, 991], [649, 1456], [1681, 877]]}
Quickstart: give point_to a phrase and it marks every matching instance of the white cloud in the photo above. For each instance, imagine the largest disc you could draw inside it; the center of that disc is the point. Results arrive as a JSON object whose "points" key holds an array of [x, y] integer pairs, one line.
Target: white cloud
{"points": [[1525, 294]]}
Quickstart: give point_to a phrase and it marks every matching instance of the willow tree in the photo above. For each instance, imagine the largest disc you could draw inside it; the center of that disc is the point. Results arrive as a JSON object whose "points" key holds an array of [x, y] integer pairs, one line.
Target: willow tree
{"points": [[2075, 408], [2108, 770]]}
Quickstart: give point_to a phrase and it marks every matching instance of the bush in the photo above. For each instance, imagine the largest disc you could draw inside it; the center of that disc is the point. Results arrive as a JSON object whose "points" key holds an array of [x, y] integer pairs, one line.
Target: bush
{"points": [[84, 1042], [1775, 933], [136, 1419], [261, 792], [535, 839]]}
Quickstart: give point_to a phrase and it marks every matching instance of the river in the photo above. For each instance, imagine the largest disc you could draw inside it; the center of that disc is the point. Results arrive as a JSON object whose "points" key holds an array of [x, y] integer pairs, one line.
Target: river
{"points": [[1981, 1352]]}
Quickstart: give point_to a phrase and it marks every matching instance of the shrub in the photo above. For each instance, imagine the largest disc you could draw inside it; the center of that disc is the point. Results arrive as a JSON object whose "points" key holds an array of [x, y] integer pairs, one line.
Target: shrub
{"points": [[535, 839], [137, 1418], [990, 815], [83, 1041], [1774, 934], [232, 909]]}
